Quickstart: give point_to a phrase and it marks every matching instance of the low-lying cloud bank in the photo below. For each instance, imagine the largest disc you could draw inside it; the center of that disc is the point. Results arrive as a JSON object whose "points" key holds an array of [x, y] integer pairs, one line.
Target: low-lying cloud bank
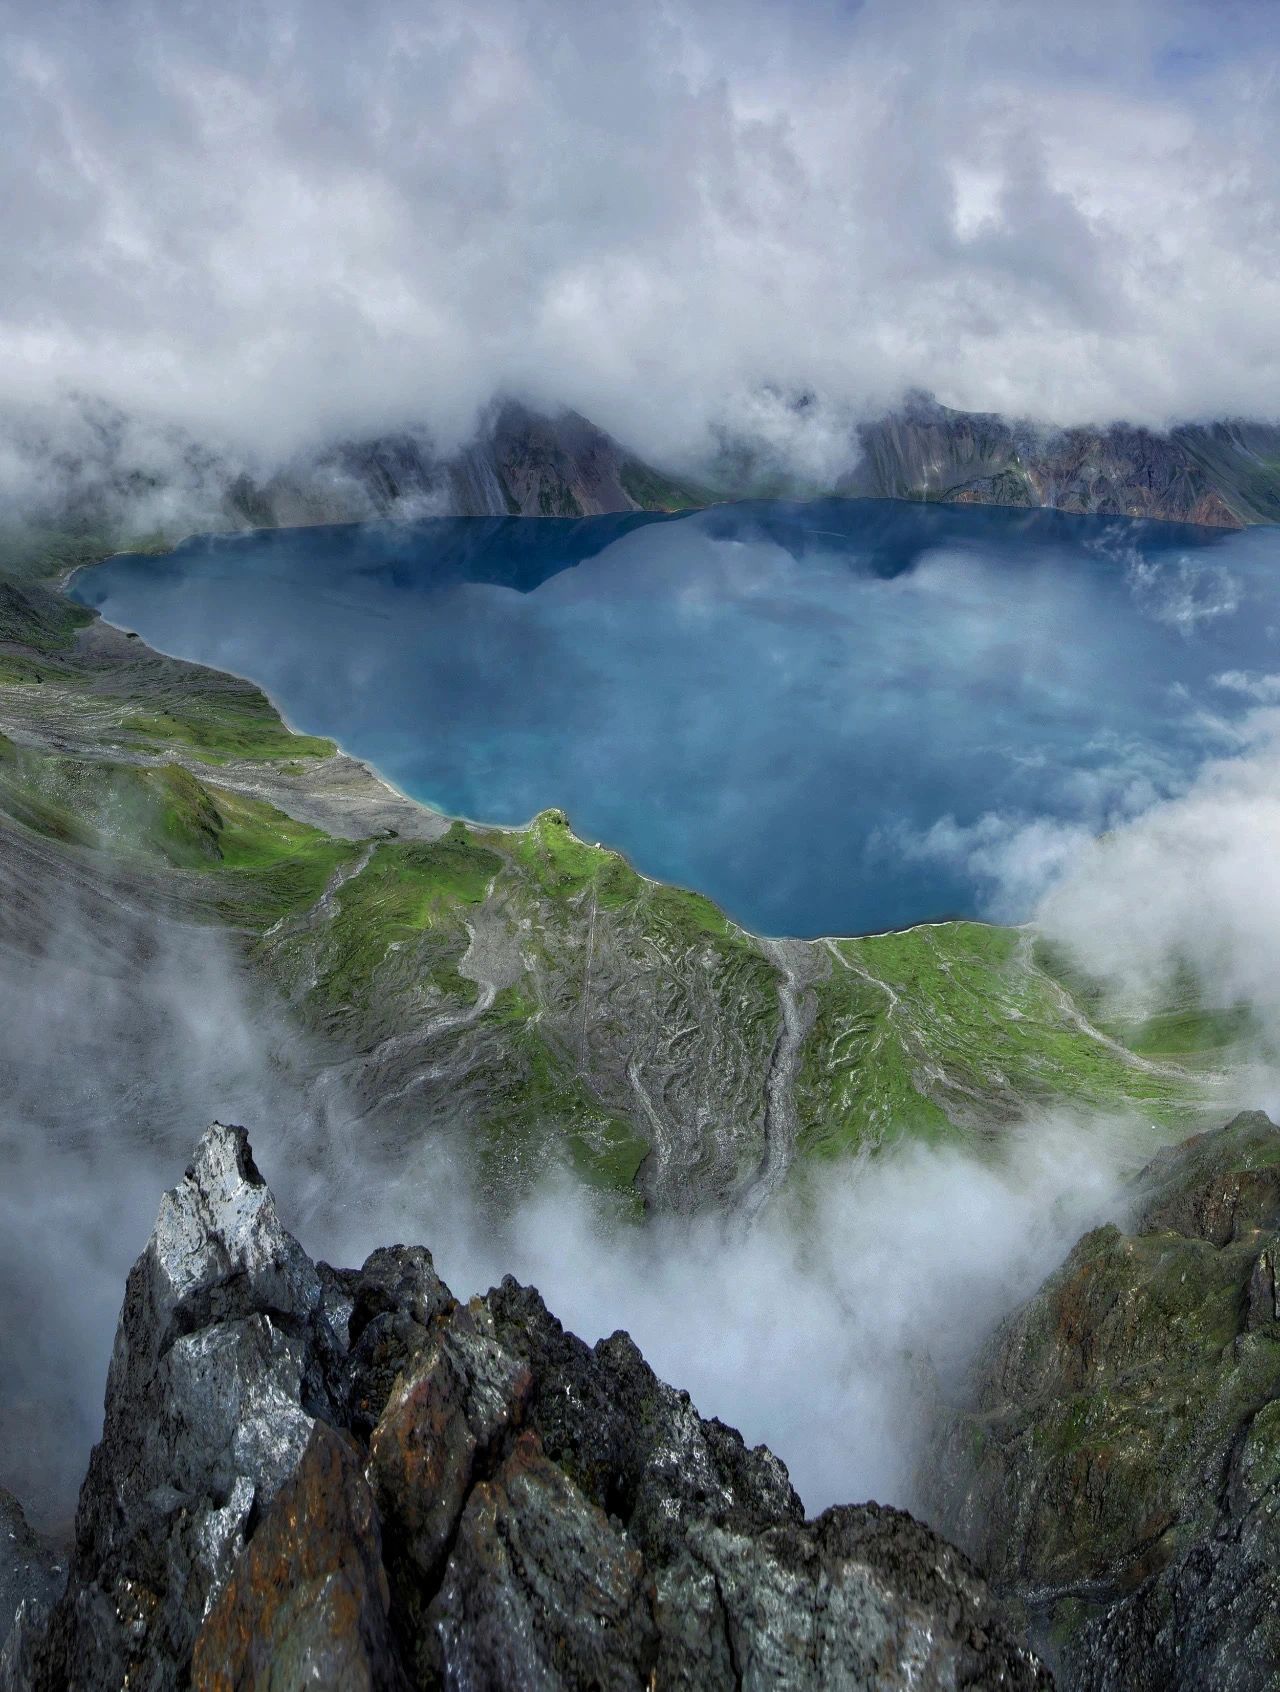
{"points": [[121, 1035], [1191, 881], [303, 220], [826, 1335], [1155, 885]]}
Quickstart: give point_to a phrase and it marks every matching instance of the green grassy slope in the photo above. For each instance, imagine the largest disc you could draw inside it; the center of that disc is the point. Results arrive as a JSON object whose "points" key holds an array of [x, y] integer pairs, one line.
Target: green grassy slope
{"points": [[961, 1026], [535, 996], [653, 490]]}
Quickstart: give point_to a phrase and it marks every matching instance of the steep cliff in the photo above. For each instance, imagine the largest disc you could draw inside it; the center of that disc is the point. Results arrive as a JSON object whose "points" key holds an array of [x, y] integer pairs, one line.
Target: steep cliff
{"points": [[1224, 474], [110, 476], [1116, 1468], [99, 472], [520, 464], [346, 1478], [31, 1569]]}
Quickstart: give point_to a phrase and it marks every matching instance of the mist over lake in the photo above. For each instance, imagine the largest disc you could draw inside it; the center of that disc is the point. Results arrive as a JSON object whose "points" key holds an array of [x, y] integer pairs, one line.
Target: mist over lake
{"points": [[830, 717]]}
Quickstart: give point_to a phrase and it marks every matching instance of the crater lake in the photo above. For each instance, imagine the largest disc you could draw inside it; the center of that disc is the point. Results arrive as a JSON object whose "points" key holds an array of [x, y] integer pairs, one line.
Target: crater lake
{"points": [[831, 717]]}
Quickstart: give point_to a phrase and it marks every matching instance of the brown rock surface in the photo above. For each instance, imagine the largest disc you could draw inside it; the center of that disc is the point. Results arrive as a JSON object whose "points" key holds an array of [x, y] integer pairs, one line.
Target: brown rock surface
{"points": [[307, 1603]]}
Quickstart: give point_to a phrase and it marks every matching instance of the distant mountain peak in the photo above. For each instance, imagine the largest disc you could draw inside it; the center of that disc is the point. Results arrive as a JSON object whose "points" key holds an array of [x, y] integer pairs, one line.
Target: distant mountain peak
{"points": [[115, 475]]}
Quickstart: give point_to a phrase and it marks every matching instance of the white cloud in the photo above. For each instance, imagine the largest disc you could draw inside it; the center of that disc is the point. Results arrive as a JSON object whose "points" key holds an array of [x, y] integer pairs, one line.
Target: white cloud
{"points": [[1150, 880], [1013, 859], [1262, 689], [1192, 880], [284, 220], [1183, 594]]}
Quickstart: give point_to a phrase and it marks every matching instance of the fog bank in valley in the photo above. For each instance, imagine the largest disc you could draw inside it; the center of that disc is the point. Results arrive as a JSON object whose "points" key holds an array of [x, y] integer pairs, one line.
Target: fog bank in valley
{"points": [[829, 1334], [122, 1035]]}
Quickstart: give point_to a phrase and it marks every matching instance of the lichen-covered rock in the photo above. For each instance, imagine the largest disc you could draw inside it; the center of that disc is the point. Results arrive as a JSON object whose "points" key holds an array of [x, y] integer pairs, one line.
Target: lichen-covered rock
{"points": [[540, 1589], [444, 1428], [1117, 1466], [635, 1445], [394, 1300], [345, 1478], [863, 1597], [307, 1604]]}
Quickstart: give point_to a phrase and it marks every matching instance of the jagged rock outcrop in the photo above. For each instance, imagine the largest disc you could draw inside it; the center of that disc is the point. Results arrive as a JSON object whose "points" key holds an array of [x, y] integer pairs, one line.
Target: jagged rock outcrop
{"points": [[1117, 1469], [347, 1478]]}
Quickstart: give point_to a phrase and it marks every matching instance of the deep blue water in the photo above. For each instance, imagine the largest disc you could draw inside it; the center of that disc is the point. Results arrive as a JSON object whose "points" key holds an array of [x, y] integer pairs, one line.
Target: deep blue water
{"points": [[831, 717]]}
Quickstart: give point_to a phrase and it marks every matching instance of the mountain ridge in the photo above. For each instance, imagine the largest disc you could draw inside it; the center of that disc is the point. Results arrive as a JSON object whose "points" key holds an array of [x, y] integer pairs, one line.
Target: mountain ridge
{"points": [[521, 462], [1222, 475]]}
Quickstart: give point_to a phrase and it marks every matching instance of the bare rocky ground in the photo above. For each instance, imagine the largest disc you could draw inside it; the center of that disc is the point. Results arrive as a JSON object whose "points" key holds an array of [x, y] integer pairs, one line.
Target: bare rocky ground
{"points": [[338, 794]]}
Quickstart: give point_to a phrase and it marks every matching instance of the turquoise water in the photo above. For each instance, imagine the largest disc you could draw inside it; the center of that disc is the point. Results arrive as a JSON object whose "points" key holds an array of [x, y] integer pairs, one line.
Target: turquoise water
{"points": [[831, 717]]}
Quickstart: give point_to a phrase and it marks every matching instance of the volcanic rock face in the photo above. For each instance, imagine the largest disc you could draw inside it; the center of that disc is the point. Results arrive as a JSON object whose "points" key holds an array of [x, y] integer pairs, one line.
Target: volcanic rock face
{"points": [[30, 1570], [1118, 1467], [520, 464], [1224, 474], [348, 1479], [104, 473]]}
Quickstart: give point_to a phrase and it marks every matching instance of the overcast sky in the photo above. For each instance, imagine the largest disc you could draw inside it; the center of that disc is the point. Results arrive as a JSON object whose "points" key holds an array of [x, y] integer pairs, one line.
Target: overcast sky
{"points": [[280, 219]]}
